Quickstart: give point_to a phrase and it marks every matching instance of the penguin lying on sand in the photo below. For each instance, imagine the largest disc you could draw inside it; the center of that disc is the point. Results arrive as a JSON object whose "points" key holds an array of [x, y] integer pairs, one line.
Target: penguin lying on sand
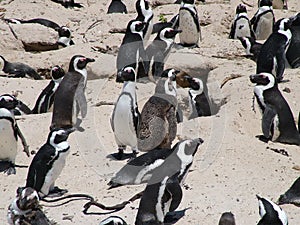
{"points": [[291, 196], [25, 209], [48, 163], [277, 121], [117, 6], [271, 213], [68, 3], [46, 97], [17, 106], [252, 47], [18, 69]]}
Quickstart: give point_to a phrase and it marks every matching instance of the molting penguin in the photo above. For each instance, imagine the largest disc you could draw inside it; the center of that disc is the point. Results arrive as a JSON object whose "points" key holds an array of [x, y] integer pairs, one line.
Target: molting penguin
{"points": [[46, 97], [17, 106], [263, 20], [48, 163], [145, 14], [271, 58], [241, 26], [132, 47], [113, 220], [163, 193], [70, 97], [158, 51], [68, 3], [125, 117], [18, 69], [158, 125], [9, 132], [291, 196], [117, 6], [293, 51], [251, 46], [25, 209], [189, 24], [271, 213], [227, 218], [277, 122]]}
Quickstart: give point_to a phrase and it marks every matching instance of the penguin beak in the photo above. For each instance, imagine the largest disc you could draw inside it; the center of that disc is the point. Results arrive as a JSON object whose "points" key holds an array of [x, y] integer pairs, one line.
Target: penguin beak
{"points": [[70, 130], [119, 78], [90, 60]]}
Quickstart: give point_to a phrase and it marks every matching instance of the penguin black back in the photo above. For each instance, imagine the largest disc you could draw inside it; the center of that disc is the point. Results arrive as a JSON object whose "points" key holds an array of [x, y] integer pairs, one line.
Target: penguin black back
{"points": [[117, 6], [293, 52]]}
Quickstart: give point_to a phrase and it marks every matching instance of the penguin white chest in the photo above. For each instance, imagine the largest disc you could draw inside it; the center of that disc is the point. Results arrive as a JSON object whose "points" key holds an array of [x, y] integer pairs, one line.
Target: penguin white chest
{"points": [[242, 28], [189, 34], [123, 124], [264, 26], [8, 142]]}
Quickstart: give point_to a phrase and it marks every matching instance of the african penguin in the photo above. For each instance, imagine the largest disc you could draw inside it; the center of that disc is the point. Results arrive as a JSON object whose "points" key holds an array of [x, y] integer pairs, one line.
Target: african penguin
{"points": [[132, 47], [241, 26], [271, 58], [145, 14], [189, 24], [70, 97], [163, 193], [64, 39], [278, 4], [17, 106], [25, 209], [292, 195], [18, 69], [46, 97], [263, 20], [125, 117], [68, 3], [158, 125], [48, 163], [252, 47], [271, 213], [117, 6], [293, 51], [158, 52], [277, 122], [41, 21], [227, 218], [113, 220]]}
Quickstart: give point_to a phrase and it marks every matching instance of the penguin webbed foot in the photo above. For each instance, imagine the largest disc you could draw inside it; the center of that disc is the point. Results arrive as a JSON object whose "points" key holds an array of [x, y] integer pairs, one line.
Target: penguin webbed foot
{"points": [[263, 138], [7, 167], [57, 192], [174, 217]]}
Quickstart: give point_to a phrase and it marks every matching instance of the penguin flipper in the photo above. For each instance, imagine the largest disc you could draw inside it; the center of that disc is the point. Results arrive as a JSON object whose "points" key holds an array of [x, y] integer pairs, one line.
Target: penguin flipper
{"points": [[281, 58], [231, 34], [174, 188], [267, 121], [81, 99]]}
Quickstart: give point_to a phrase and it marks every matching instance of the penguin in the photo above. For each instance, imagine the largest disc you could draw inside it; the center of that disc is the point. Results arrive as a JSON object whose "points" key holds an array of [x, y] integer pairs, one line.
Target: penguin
{"points": [[125, 117], [145, 14], [25, 209], [68, 3], [271, 58], [132, 47], [70, 97], [189, 24], [278, 4], [252, 47], [158, 52], [227, 218], [19, 108], [277, 122], [293, 51], [41, 21], [158, 125], [163, 192], [263, 20], [9, 136], [48, 163], [117, 6], [271, 213], [291, 196], [64, 39], [113, 220], [18, 69], [46, 97], [241, 26], [199, 102]]}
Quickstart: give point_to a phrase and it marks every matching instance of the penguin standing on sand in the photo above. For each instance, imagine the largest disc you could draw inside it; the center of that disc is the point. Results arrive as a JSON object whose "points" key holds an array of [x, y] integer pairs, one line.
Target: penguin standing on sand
{"points": [[277, 122], [48, 163], [117, 6], [145, 14], [271, 213], [17, 106], [263, 20], [271, 58], [189, 24], [158, 125], [132, 47], [252, 47], [18, 69], [70, 97], [125, 117], [163, 193], [158, 51], [293, 51], [9, 132], [241, 26], [227, 218], [291, 196], [46, 98], [278, 4]]}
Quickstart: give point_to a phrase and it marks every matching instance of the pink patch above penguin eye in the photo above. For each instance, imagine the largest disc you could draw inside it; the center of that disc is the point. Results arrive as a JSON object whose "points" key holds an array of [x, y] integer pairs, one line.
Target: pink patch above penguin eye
{"points": [[82, 59]]}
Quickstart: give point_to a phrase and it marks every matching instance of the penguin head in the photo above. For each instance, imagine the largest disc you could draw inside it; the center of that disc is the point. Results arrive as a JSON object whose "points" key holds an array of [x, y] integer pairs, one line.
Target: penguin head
{"points": [[241, 8], [195, 83], [295, 20], [57, 72], [136, 27], [192, 2], [188, 147], [168, 33], [227, 218], [170, 73], [143, 8], [79, 62], [126, 74], [113, 220], [8, 101], [263, 79], [271, 213], [265, 3], [283, 24], [59, 135], [27, 198], [64, 31]]}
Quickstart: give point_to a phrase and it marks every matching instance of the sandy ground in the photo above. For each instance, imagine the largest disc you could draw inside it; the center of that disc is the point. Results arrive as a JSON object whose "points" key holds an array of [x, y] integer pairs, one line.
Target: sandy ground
{"points": [[230, 168]]}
